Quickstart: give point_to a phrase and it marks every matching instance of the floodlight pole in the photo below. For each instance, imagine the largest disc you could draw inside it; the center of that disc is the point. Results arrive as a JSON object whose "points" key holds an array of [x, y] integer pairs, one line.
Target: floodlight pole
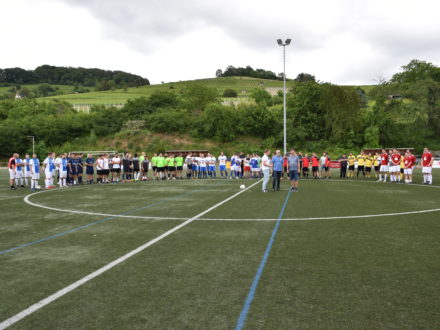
{"points": [[284, 44], [33, 143]]}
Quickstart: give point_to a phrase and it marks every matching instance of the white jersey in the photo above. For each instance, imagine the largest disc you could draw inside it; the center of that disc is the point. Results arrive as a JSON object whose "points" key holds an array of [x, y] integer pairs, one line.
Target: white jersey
{"points": [[212, 161], [34, 165], [105, 164], [58, 163], [116, 161], [100, 164], [202, 161], [222, 160]]}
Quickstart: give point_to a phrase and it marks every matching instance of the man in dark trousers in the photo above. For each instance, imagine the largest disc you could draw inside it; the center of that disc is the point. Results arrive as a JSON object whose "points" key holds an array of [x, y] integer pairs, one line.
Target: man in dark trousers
{"points": [[344, 163]]}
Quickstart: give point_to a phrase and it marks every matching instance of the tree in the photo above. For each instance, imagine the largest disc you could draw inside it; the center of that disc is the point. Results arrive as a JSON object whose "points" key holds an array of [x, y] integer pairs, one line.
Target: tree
{"points": [[219, 73], [261, 97], [305, 77]]}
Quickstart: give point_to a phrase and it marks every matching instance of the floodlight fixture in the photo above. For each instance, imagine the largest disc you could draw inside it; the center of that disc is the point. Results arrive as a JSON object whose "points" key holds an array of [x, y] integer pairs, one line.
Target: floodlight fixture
{"points": [[284, 44]]}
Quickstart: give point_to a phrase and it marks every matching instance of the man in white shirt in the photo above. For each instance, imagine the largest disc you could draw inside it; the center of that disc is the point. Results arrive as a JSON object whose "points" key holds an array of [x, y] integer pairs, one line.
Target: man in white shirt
{"points": [[265, 167], [49, 170], [222, 165], [116, 169]]}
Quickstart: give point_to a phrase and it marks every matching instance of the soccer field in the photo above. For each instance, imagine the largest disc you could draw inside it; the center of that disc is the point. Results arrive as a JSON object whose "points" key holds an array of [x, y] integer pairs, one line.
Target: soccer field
{"points": [[203, 254]]}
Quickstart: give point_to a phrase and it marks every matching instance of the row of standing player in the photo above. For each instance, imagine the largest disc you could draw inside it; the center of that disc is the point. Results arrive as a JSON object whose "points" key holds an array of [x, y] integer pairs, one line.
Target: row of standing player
{"points": [[110, 168]]}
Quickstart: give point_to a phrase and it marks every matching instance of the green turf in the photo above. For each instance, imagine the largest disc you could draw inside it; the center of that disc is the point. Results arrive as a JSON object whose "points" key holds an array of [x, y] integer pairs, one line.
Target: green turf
{"points": [[369, 273]]}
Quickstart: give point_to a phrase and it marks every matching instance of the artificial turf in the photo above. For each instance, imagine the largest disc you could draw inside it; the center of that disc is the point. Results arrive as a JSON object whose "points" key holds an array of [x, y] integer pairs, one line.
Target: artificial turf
{"points": [[367, 273]]}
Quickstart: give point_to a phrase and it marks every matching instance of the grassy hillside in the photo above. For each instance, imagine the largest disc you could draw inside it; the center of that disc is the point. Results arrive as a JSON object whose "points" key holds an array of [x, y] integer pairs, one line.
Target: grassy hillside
{"points": [[241, 84]]}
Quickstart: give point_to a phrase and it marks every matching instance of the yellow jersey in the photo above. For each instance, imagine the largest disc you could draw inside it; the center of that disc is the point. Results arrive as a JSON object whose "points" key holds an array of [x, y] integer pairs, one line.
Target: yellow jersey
{"points": [[361, 160], [402, 162], [368, 161], [351, 160], [376, 160]]}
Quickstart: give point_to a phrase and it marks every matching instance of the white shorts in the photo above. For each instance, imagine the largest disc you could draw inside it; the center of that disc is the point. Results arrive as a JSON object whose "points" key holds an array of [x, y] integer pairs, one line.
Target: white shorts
{"points": [[36, 176], [11, 174], [408, 171], [18, 174], [27, 174], [48, 174], [383, 168], [63, 174], [395, 169], [427, 170]]}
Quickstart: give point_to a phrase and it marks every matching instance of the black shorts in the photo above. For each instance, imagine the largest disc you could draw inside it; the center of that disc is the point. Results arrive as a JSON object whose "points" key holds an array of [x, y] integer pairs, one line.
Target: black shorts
{"points": [[160, 169], [305, 169], [154, 168], [315, 169], [361, 168], [128, 170], [116, 170], [171, 168], [325, 168], [402, 170], [351, 168], [377, 168], [106, 172], [179, 168], [285, 169], [367, 169], [100, 172]]}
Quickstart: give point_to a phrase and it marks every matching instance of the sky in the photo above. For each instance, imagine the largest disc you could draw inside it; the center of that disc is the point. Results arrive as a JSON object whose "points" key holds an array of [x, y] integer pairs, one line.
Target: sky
{"points": [[339, 41]]}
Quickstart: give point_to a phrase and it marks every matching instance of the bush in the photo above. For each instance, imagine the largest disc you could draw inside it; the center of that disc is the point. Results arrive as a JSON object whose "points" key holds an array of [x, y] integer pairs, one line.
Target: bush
{"points": [[229, 92]]}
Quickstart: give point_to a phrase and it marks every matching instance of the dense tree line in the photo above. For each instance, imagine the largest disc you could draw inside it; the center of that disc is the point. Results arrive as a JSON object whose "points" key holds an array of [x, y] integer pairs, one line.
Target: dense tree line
{"points": [[247, 72], [319, 116], [69, 76]]}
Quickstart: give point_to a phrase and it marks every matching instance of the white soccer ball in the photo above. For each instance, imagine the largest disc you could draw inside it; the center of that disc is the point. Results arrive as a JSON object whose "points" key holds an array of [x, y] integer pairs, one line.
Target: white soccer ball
{"points": [[242, 186], [38, 187]]}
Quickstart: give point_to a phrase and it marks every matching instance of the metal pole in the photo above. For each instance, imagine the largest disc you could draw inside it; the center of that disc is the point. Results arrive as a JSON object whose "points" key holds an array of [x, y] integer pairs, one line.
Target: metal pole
{"points": [[284, 99], [33, 145]]}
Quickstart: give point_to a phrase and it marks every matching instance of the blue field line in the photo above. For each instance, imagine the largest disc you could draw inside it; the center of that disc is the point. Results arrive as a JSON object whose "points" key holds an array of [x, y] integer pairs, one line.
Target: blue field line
{"points": [[100, 221], [250, 297]]}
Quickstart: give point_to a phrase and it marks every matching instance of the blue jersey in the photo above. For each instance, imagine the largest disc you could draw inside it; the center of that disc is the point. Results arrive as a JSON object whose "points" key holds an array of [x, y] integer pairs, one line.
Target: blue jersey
{"points": [[36, 165], [90, 161], [18, 163], [254, 163], [27, 166], [64, 164]]}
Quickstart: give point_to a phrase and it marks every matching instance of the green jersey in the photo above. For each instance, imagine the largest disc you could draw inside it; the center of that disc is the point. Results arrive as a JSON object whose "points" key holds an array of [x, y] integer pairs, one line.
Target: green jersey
{"points": [[141, 159], [171, 162], [160, 161], [179, 161], [154, 161]]}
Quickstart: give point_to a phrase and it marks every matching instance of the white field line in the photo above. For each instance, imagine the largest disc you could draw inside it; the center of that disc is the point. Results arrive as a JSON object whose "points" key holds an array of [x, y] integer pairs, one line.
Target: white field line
{"points": [[33, 308], [26, 200]]}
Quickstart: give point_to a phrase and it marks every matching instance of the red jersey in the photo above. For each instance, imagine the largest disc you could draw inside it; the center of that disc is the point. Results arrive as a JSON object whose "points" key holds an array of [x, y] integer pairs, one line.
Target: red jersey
{"points": [[396, 159], [384, 159], [306, 162], [11, 163], [426, 159], [285, 162], [408, 161], [327, 161], [315, 161]]}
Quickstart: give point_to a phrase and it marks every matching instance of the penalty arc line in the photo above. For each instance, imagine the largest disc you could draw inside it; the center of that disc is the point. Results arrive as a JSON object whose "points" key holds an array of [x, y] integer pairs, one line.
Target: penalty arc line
{"points": [[33, 308]]}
